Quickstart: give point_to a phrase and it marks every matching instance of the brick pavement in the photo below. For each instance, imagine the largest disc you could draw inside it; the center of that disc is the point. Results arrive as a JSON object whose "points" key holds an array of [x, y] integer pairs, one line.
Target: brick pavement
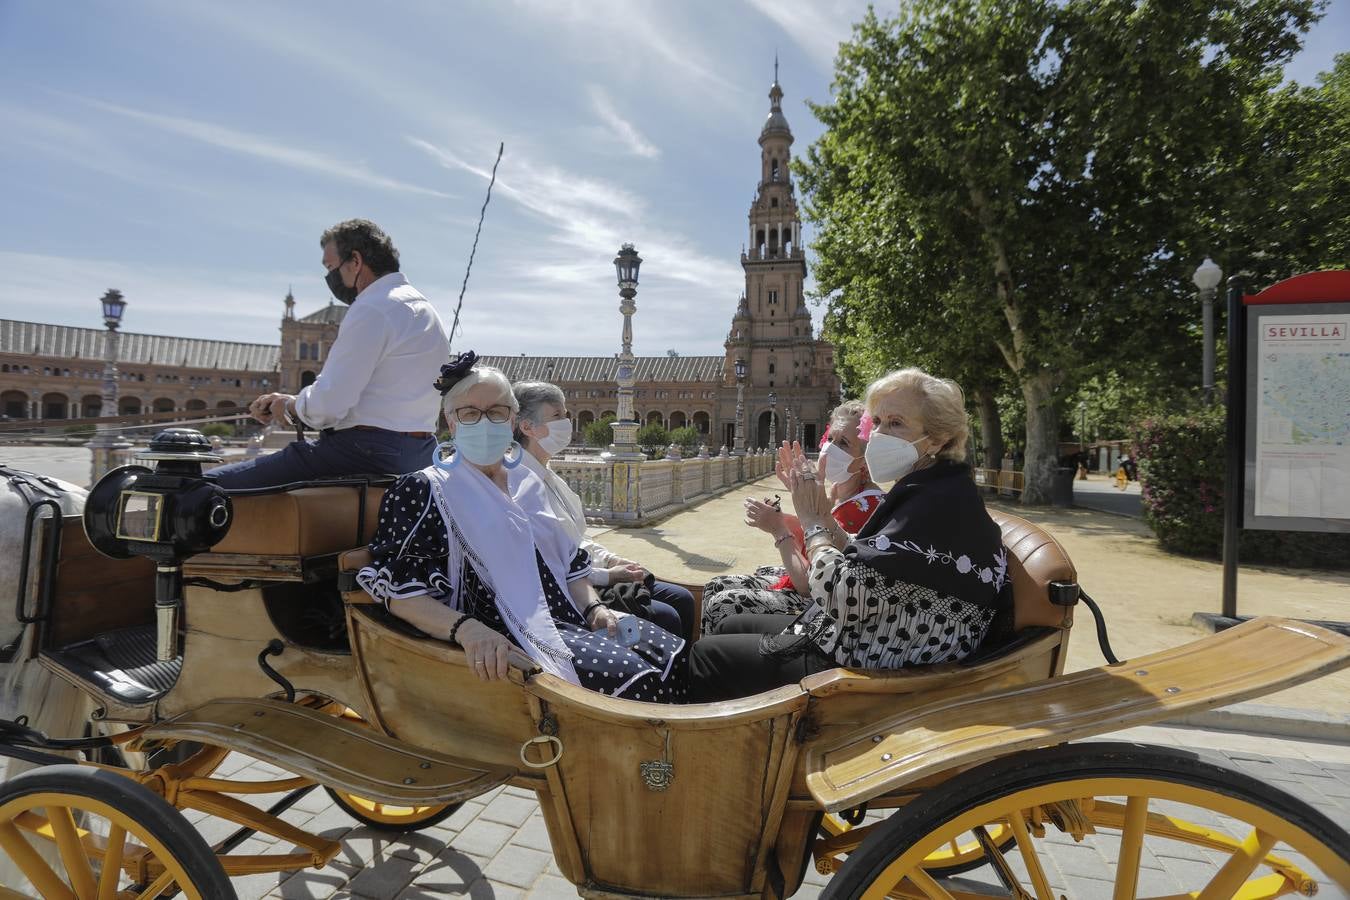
{"points": [[495, 846]]}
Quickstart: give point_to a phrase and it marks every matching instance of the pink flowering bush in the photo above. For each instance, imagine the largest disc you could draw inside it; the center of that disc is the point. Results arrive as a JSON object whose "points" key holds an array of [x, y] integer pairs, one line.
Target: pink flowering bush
{"points": [[1181, 471]]}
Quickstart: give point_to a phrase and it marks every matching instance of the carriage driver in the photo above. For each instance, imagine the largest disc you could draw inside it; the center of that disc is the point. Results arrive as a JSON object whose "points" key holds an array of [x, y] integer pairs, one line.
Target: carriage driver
{"points": [[373, 403]]}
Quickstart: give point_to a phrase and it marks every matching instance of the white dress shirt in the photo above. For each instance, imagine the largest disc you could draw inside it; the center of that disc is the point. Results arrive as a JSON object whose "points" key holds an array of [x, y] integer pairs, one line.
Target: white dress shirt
{"points": [[380, 371], [566, 504]]}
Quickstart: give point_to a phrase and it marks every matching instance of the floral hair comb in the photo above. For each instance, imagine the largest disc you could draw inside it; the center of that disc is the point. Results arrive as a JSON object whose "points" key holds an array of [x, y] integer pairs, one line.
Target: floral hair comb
{"points": [[453, 372]]}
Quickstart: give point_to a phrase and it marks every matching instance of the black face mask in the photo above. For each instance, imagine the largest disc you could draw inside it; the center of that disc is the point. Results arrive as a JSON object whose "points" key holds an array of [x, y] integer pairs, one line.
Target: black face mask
{"points": [[334, 281]]}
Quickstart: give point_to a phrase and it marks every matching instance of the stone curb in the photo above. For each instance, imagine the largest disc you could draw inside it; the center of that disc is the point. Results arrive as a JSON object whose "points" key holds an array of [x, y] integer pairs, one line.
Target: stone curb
{"points": [[1275, 721]]}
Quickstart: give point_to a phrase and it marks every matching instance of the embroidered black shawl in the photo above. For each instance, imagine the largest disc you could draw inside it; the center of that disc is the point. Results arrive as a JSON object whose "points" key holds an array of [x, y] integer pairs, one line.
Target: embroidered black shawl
{"points": [[932, 530]]}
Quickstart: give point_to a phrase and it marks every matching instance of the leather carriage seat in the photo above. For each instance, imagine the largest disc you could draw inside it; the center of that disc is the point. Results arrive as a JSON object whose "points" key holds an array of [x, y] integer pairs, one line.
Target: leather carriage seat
{"points": [[308, 520], [1035, 559]]}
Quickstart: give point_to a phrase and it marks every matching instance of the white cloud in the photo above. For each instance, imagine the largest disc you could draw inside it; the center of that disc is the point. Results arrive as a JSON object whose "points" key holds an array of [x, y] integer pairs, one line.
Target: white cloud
{"points": [[816, 27], [622, 129], [262, 148]]}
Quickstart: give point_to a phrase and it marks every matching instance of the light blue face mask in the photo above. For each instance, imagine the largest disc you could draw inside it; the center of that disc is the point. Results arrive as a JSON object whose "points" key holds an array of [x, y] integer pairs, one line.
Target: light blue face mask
{"points": [[484, 442]]}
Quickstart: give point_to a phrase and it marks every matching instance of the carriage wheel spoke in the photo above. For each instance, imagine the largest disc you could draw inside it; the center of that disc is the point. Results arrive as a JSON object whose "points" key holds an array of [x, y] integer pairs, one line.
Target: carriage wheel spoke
{"points": [[1030, 857], [68, 841], [112, 863], [1242, 863], [157, 887], [1131, 848], [32, 865], [931, 889]]}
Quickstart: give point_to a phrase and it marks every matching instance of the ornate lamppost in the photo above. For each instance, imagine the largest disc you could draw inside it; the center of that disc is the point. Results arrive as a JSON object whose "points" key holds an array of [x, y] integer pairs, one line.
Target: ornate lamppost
{"points": [[107, 441], [740, 368], [1207, 278], [773, 419], [626, 265]]}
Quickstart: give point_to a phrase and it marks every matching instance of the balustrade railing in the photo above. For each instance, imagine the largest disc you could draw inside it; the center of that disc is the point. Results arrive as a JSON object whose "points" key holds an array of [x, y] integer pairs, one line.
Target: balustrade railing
{"points": [[650, 488]]}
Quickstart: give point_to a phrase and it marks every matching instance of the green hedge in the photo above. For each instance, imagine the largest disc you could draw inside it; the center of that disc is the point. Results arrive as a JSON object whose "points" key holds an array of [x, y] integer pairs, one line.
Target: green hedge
{"points": [[1181, 469]]}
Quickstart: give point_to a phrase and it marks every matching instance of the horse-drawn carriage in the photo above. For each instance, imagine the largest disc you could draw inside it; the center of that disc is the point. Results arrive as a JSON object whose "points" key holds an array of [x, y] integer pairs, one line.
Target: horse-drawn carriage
{"points": [[199, 624]]}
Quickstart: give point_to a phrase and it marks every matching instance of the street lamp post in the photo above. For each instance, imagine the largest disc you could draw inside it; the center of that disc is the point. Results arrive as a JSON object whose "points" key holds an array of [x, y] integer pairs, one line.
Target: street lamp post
{"points": [[740, 368], [107, 441], [626, 265], [773, 419], [1207, 278]]}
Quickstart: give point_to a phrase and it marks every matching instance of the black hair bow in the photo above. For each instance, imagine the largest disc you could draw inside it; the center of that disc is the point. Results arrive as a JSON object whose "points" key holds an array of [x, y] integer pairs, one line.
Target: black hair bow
{"points": [[453, 372]]}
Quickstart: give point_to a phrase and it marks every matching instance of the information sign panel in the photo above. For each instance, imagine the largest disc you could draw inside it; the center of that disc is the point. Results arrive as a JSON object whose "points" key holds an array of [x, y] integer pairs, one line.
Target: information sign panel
{"points": [[1298, 417]]}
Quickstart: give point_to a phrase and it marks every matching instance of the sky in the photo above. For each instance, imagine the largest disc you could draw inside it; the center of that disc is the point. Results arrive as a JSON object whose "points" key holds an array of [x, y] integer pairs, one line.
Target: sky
{"points": [[190, 153]]}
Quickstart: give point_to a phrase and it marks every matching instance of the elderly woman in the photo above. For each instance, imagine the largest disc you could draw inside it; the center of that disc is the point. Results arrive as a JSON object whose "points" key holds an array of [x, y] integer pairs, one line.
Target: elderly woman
{"points": [[919, 584], [543, 429], [853, 495], [469, 550]]}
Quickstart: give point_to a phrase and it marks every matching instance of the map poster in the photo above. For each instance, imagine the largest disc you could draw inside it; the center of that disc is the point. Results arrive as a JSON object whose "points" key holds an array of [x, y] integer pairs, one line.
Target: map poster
{"points": [[1298, 425]]}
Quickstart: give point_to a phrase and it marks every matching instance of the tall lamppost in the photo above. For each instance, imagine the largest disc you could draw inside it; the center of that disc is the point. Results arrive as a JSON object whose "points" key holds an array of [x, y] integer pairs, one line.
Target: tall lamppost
{"points": [[626, 265], [1207, 278], [740, 368], [773, 419], [106, 439]]}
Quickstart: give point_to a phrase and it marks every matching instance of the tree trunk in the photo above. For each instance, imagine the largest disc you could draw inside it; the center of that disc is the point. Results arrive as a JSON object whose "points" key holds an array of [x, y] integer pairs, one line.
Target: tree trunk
{"points": [[991, 428], [1042, 453]]}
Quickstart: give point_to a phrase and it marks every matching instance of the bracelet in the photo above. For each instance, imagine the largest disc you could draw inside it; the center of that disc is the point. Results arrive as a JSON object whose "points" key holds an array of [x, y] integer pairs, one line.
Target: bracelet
{"points": [[590, 606], [819, 542], [454, 629], [813, 532], [782, 537]]}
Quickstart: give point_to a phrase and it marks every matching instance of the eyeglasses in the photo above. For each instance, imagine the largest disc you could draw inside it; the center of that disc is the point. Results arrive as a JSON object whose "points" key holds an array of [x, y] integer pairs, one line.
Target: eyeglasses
{"points": [[471, 415]]}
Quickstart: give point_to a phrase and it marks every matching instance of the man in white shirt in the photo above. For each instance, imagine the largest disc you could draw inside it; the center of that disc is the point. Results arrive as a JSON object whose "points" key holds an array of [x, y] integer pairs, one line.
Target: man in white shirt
{"points": [[374, 404]]}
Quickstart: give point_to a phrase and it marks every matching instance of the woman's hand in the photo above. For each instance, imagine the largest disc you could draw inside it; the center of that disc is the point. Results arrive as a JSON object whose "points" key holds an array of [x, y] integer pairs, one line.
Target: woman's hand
{"points": [[602, 617], [764, 516], [807, 484], [626, 572], [486, 650]]}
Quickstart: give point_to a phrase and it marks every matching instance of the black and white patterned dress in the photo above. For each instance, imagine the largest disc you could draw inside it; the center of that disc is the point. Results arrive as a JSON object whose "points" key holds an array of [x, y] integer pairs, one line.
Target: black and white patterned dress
{"points": [[410, 551]]}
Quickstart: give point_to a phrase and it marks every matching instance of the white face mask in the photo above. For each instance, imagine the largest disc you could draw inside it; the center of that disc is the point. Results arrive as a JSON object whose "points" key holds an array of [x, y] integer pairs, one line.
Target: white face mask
{"points": [[837, 461], [558, 437], [889, 458]]}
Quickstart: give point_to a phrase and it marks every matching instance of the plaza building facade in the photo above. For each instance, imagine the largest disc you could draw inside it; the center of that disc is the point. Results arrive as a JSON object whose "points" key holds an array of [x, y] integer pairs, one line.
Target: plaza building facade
{"points": [[54, 371]]}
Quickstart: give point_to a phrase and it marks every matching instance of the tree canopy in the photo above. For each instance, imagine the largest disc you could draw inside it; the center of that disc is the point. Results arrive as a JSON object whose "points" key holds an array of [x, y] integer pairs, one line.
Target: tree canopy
{"points": [[1023, 187]]}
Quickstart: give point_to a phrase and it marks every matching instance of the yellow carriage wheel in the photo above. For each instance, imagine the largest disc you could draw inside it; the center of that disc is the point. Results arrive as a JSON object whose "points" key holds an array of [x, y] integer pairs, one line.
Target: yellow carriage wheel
{"points": [[962, 853], [390, 816], [1136, 804], [79, 833]]}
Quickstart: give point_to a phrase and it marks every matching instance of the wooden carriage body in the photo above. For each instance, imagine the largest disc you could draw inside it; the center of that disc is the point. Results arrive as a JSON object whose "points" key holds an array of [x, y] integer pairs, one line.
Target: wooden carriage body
{"points": [[639, 799]]}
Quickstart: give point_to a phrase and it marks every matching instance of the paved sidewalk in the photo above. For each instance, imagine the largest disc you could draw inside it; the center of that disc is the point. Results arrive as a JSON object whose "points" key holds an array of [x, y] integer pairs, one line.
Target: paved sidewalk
{"points": [[496, 846], [1100, 493]]}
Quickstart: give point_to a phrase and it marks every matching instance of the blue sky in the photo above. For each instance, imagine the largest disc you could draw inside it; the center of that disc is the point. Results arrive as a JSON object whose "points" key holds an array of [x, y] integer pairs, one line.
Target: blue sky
{"points": [[190, 153]]}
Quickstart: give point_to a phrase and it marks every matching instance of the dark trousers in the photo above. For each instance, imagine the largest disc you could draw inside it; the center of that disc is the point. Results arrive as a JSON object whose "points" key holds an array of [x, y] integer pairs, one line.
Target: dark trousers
{"points": [[673, 609], [732, 663], [350, 451]]}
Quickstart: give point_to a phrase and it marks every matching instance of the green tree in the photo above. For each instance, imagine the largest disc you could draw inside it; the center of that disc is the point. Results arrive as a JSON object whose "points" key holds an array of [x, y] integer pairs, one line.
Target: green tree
{"points": [[687, 437], [653, 436], [598, 433], [1026, 180]]}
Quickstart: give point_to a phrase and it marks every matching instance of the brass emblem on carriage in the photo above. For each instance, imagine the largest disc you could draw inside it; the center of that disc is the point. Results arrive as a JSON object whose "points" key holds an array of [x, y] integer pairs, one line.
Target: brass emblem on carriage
{"points": [[658, 774]]}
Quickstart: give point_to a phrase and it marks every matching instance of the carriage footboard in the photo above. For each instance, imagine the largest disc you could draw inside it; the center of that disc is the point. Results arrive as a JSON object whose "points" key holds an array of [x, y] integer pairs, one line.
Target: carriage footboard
{"points": [[1255, 658], [333, 751]]}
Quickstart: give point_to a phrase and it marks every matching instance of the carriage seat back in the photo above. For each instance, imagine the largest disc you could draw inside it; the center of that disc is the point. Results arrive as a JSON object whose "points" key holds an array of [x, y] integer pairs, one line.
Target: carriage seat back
{"points": [[1035, 559], [311, 520]]}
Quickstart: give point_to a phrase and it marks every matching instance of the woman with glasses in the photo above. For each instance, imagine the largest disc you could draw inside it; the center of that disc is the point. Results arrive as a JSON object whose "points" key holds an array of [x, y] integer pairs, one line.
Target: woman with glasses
{"points": [[543, 429], [469, 550]]}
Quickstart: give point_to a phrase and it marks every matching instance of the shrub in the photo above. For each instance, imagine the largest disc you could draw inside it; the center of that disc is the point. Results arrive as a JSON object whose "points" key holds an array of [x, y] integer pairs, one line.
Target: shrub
{"points": [[687, 437], [653, 436], [598, 433], [224, 429], [1181, 469]]}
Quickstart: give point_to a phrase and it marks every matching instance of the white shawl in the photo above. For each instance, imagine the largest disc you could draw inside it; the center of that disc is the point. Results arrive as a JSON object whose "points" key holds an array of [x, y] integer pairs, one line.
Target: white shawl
{"points": [[572, 514], [499, 535]]}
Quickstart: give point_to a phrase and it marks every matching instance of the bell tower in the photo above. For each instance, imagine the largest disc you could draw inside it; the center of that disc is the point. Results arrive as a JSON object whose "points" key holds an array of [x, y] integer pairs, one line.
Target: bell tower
{"points": [[774, 264]]}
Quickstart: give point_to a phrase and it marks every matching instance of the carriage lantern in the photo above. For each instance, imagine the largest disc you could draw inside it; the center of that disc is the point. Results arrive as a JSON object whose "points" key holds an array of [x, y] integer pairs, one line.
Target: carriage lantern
{"points": [[166, 514]]}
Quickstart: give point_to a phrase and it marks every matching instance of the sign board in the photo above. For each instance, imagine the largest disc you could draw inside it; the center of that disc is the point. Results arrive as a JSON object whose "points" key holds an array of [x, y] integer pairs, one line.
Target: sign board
{"points": [[1297, 460]]}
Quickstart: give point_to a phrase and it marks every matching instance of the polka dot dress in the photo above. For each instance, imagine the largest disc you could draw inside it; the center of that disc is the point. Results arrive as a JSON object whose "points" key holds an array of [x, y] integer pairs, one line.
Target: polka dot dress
{"points": [[410, 551], [873, 622]]}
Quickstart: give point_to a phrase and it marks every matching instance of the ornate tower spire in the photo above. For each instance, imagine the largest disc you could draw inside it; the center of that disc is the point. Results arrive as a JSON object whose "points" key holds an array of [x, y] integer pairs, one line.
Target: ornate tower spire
{"points": [[290, 303]]}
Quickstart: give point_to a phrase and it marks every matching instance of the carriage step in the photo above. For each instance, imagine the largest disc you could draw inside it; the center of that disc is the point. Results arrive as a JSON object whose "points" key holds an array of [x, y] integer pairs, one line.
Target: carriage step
{"points": [[335, 752], [1255, 658], [121, 663]]}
